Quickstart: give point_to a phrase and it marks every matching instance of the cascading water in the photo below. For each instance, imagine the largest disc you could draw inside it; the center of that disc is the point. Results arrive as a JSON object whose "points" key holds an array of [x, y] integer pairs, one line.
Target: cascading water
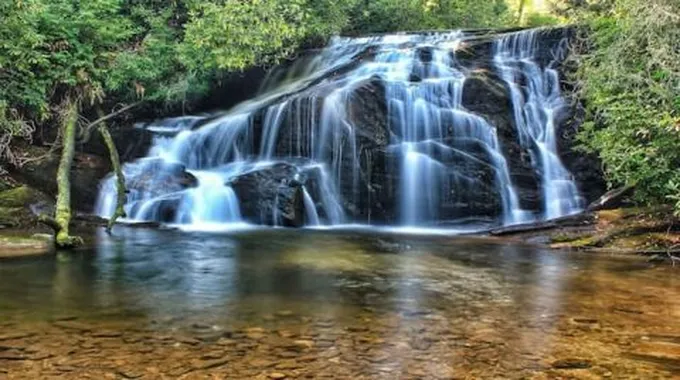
{"points": [[423, 116], [372, 131], [536, 106]]}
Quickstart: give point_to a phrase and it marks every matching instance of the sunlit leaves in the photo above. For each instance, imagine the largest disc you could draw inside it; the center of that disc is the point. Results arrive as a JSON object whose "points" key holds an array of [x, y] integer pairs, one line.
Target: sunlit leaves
{"points": [[389, 15], [120, 51], [238, 34], [631, 82]]}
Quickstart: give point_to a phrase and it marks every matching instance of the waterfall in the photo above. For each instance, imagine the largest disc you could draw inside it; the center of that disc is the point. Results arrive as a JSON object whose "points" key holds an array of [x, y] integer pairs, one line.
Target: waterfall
{"points": [[535, 108], [310, 210], [369, 130]]}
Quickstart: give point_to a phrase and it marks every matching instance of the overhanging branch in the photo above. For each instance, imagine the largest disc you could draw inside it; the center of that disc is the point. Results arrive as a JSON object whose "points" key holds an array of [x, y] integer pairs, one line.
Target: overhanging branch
{"points": [[88, 129]]}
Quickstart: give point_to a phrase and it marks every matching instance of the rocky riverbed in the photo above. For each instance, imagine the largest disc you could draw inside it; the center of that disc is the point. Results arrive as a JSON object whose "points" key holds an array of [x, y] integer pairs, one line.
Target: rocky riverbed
{"points": [[279, 304], [419, 345]]}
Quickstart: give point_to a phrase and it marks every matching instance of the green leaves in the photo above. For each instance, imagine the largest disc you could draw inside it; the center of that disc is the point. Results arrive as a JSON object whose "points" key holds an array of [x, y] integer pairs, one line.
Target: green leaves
{"points": [[377, 16], [121, 51], [52, 44], [631, 84], [238, 34]]}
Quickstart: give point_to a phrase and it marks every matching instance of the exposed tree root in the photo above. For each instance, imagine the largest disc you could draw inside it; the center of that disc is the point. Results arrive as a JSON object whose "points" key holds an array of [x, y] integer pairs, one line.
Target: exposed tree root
{"points": [[69, 241], [607, 237]]}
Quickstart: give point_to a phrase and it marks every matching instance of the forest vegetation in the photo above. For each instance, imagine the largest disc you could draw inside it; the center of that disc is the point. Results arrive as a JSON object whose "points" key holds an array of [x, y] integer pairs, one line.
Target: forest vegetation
{"points": [[630, 83], [74, 65]]}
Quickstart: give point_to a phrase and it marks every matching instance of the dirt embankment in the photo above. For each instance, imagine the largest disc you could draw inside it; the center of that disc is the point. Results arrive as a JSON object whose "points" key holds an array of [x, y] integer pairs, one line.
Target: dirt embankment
{"points": [[649, 231]]}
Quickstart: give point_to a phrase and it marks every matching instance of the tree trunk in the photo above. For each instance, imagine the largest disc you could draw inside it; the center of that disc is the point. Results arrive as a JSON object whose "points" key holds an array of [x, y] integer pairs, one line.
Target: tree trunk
{"points": [[120, 177], [62, 215], [521, 10]]}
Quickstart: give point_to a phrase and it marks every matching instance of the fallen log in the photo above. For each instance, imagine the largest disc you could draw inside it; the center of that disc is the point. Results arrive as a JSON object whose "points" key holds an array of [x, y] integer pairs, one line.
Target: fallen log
{"points": [[612, 199], [577, 220]]}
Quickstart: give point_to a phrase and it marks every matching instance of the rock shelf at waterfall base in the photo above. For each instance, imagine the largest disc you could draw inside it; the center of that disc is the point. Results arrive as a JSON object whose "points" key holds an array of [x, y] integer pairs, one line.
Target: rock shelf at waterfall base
{"points": [[649, 232]]}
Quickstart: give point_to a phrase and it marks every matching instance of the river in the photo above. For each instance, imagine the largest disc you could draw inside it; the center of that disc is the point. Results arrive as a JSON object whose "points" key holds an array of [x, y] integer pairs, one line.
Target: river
{"points": [[355, 304]]}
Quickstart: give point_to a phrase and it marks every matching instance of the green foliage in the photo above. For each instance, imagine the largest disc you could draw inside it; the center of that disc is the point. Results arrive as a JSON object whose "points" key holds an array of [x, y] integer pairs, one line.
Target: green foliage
{"points": [[631, 85], [108, 52], [378, 16], [535, 20], [49, 47], [238, 34], [673, 188], [50, 50], [536, 13], [149, 64]]}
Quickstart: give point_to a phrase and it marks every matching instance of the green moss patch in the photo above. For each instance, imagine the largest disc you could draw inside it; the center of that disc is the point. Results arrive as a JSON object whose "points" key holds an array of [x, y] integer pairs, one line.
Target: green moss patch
{"points": [[18, 246]]}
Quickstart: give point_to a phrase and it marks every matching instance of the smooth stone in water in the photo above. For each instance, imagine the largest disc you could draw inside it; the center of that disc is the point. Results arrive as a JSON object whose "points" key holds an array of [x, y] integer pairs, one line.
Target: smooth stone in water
{"points": [[572, 363]]}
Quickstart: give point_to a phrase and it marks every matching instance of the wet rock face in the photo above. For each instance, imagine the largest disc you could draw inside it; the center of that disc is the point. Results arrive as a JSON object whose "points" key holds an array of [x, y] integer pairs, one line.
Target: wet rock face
{"points": [[367, 199], [347, 131], [131, 142], [486, 95], [370, 199], [159, 177], [271, 195], [586, 167], [164, 180], [374, 197], [86, 172]]}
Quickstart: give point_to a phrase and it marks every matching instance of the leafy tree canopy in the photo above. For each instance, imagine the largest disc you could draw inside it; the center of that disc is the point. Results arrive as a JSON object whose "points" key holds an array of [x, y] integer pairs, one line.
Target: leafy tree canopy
{"points": [[99, 52], [631, 85]]}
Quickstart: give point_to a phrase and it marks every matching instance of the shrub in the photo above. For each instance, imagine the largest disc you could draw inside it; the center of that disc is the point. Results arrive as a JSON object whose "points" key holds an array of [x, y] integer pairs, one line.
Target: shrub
{"points": [[631, 85]]}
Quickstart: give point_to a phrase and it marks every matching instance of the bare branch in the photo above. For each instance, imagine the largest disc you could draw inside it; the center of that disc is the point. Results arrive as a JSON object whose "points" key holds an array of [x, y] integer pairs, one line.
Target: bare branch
{"points": [[88, 129]]}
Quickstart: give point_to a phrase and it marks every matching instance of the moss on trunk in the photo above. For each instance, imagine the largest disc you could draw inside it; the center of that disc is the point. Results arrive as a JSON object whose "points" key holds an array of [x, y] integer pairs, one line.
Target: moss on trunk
{"points": [[62, 215], [120, 177]]}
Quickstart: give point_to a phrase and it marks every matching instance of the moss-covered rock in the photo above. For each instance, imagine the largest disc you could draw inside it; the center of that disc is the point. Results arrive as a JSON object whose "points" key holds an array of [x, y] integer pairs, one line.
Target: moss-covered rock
{"points": [[17, 246], [625, 230], [22, 196], [19, 206], [86, 173]]}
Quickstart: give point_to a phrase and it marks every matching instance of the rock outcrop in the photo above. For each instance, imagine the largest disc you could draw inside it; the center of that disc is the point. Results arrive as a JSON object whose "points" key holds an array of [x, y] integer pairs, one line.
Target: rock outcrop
{"points": [[157, 177], [271, 195], [339, 127], [86, 173], [20, 206]]}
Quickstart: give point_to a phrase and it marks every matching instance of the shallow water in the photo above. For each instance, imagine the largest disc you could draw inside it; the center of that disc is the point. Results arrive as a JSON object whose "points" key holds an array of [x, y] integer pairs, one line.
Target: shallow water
{"points": [[351, 304]]}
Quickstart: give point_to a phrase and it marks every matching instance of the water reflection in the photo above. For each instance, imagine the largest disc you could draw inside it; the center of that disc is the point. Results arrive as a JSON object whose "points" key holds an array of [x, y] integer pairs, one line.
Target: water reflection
{"points": [[163, 273], [378, 303]]}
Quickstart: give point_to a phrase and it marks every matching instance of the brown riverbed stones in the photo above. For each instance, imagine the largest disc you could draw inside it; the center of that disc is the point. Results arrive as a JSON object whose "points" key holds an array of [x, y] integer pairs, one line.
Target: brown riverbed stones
{"points": [[389, 347]]}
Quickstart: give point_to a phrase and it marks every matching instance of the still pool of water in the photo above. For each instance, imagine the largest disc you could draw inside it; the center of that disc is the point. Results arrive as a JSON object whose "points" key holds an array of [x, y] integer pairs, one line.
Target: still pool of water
{"points": [[328, 304]]}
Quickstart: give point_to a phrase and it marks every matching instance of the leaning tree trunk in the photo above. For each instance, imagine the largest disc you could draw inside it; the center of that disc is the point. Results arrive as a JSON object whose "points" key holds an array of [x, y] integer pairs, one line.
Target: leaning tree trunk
{"points": [[62, 215], [521, 11], [120, 177]]}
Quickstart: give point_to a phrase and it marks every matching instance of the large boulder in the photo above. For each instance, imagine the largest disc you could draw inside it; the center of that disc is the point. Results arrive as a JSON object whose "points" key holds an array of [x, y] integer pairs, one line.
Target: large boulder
{"points": [[164, 209], [271, 195], [154, 180], [154, 177]]}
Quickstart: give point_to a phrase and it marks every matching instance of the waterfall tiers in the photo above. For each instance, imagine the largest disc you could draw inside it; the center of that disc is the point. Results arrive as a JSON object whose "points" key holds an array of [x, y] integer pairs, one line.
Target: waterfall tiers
{"points": [[454, 129]]}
